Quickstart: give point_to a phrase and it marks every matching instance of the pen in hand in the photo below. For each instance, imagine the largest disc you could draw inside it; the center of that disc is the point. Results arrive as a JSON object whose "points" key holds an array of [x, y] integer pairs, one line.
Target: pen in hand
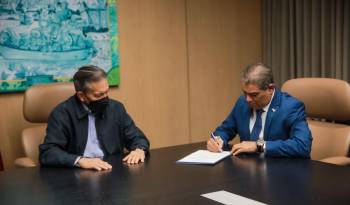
{"points": [[217, 143]]}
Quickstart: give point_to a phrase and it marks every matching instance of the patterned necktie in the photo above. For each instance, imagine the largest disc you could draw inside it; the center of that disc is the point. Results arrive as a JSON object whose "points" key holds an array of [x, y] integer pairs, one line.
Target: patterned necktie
{"points": [[254, 135]]}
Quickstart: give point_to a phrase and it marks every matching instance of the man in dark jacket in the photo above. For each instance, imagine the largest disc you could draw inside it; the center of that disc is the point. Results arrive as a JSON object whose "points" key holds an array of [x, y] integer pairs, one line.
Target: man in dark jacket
{"points": [[88, 126]]}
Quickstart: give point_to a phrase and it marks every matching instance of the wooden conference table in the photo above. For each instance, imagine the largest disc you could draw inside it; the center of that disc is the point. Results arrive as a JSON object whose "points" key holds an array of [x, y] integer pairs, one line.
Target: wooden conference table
{"points": [[161, 181]]}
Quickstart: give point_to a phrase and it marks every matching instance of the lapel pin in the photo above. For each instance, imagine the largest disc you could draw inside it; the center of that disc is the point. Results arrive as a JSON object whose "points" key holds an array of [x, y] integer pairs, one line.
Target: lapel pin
{"points": [[273, 109]]}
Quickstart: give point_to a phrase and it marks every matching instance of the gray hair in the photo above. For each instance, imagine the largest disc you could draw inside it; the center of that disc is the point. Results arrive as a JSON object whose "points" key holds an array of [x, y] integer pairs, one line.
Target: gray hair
{"points": [[87, 74], [258, 74]]}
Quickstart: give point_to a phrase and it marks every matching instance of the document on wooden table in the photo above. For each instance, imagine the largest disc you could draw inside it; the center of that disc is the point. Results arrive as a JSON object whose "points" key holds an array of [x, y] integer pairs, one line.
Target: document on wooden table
{"points": [[228, 198], [204, 157]]}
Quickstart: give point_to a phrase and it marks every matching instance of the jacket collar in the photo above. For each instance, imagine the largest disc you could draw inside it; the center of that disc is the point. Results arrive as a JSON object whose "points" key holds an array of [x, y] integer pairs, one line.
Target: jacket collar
{"points": [[276, 100], [79, 108], [274, 107]]}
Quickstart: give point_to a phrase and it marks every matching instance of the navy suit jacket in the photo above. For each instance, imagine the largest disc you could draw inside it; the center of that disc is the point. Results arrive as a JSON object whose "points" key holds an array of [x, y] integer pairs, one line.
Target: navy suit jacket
{"points": [[286, 131]]}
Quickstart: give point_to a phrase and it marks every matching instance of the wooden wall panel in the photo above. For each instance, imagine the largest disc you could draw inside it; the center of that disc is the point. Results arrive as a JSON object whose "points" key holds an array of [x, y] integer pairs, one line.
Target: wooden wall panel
{"points": [[250, 32], [153, 68], [218, 34]]}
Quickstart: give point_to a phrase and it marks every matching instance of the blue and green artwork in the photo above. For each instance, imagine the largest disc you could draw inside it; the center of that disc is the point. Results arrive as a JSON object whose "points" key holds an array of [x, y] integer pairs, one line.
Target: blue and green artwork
{"points": [[46, 41]]}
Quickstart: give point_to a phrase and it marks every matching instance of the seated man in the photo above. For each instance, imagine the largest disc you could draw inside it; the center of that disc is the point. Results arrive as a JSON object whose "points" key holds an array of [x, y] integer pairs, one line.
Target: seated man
{"points": [[267, 120], [88, 126]]}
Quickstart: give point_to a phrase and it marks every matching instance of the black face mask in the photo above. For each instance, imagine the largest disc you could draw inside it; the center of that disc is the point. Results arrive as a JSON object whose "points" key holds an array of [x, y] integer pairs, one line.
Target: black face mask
{"points": [[98, 106]]}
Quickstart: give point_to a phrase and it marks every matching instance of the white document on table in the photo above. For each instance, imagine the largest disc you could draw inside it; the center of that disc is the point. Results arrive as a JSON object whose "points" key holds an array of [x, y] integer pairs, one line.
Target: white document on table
{"points": [[228, 198], [204, 157]]}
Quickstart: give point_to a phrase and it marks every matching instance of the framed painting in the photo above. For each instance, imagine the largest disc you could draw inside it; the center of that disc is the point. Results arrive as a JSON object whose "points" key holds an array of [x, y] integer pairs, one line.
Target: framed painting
{"points": [[46, 41]]}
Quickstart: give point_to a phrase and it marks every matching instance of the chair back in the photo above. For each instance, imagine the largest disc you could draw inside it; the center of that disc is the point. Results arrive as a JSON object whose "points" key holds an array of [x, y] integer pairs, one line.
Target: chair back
{"points": [[323, 97], [327, 101], [330, 139], [39, 101], [32, 137]]}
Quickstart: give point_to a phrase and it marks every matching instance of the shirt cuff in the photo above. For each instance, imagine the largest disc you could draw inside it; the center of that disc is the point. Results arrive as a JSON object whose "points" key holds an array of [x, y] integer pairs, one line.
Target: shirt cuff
{"points": [[76, 161]]}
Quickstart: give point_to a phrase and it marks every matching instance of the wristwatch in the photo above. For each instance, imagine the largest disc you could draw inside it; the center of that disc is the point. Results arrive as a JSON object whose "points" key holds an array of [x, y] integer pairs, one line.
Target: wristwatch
{"points": [[260, 144]]}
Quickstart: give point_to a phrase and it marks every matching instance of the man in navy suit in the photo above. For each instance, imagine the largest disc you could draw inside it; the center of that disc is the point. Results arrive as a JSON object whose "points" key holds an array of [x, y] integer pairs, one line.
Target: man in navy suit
{"points": [[267, 120]]}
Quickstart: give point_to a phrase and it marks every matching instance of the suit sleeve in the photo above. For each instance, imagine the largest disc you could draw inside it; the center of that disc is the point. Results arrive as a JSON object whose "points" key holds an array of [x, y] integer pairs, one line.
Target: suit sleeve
{"points": [[52, 151], [299, 142], [133, 136], [227, 130]]}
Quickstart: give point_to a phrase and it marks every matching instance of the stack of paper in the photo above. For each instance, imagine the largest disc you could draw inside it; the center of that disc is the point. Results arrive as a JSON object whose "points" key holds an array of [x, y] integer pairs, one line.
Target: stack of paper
{"points": [[204, 157], [228, 198]]}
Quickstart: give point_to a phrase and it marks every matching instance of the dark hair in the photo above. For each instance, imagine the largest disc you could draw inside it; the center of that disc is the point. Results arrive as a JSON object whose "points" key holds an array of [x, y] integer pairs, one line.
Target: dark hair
{"points": [[87, 74], [258, 74]]}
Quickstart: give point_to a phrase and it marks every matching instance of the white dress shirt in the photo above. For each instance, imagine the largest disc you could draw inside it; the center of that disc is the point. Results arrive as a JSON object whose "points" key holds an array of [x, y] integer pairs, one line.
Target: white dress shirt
{"points": [[263, 118]]}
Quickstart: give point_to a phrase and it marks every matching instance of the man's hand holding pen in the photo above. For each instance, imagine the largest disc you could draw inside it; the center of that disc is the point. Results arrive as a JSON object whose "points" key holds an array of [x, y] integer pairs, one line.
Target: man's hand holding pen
{"points": [[215, 143]]}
